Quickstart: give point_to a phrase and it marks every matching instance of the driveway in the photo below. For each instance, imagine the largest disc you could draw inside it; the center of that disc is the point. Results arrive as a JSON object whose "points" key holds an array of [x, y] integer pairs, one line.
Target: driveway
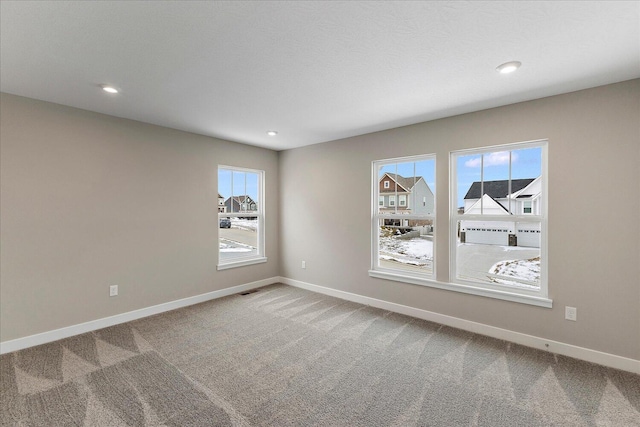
{"points": [[475, 260]]}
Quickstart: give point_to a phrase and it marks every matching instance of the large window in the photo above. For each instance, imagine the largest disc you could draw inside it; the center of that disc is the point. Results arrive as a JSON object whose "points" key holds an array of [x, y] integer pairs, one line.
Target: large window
{"points": [[498, 219], [402, 233], [241, 221]]}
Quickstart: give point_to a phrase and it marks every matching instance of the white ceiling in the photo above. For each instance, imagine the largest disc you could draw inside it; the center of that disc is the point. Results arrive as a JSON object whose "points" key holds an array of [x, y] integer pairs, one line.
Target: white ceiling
{"points": [[314, 71]]}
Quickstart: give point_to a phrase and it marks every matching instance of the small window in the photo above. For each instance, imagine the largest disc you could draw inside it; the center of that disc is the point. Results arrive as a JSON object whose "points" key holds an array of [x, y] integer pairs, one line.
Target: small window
{"points": [[527, 207], [241, 222], [392, 200], [386, 184]]}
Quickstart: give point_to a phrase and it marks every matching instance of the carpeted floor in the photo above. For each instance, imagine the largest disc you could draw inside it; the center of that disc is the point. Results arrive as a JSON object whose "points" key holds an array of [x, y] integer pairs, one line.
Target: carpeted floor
{"points": [[283, 356]]}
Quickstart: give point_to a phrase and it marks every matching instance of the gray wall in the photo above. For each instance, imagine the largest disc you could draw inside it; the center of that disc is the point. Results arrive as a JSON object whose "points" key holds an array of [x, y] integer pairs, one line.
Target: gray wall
{"points": [[594, 205], [89, 200]]}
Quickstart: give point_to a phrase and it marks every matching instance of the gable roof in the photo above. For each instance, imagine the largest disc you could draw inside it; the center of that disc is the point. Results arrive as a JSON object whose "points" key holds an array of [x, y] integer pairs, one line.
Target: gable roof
{"points": [[241, 199], [497, 189], [489, 205], [237, 201], [406, 183]]}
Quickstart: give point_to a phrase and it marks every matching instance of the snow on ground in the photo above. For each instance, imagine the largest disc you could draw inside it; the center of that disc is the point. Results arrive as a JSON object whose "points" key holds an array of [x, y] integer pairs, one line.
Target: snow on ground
{"points": [[244, 224], [416, 251], [527, 270], [232, 246]]}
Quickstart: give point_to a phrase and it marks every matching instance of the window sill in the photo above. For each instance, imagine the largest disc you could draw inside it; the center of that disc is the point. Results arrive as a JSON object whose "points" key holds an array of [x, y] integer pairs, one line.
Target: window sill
{"points": [[456, 287], [241, 263]]}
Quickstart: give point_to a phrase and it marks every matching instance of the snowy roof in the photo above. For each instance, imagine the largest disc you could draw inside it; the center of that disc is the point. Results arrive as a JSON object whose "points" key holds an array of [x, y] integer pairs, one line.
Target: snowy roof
{"points": [[497, 189]]}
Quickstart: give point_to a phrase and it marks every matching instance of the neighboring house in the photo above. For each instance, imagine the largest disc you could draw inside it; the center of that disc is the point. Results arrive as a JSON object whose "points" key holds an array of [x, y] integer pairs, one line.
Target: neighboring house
{"points": [[221, 207], [397, 195], [403, 195], [495, 200], [240, 204]]}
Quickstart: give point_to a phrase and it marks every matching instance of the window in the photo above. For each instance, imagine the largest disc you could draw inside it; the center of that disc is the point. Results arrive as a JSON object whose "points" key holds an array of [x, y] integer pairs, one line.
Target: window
{"points": [[498, 240], [402, 236], [381, 201], [241, 225]]}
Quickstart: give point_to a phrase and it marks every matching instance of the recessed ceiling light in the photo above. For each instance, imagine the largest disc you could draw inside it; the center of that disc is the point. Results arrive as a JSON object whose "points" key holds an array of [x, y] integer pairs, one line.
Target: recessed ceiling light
{"points": [[509, 67], [109, 89], [272, 133]]}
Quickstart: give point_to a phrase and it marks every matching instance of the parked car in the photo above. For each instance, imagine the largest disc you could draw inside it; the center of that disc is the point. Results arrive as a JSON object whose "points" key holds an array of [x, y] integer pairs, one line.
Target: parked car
{"points": [[225, 223]]}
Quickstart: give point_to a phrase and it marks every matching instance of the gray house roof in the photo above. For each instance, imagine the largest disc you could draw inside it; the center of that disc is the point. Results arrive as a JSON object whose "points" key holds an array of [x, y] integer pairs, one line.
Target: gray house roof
{"points": [[497, 189]]}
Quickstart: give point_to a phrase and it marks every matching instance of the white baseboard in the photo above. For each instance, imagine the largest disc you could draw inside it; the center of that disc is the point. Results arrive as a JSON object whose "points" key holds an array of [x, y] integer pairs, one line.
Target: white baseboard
{"points": [[593, 356], [57, 334]]}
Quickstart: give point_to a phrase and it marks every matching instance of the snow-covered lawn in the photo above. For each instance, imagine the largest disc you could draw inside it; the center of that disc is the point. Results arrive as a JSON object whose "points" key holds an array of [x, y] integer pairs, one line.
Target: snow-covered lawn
{"points": [[417, 251], [524, 270]]}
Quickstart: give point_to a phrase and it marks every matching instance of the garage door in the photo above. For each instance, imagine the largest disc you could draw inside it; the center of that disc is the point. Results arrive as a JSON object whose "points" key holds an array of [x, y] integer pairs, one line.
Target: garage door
{"points": [[529, 238], [487, 236]]}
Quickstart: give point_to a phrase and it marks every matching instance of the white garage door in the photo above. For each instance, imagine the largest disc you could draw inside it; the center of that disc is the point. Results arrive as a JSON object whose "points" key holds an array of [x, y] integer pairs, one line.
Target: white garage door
{"points": [[529, 238], [488, 236]]}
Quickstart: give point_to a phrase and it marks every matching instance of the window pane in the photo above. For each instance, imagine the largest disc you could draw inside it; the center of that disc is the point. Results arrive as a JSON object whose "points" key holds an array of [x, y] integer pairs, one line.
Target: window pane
{"points": [[387, 188], [251, 196], [239, 240], [407, 188], [468, 181], [499, 252], [527, 166], [224, 189], [498, 183], [495, 183], [406, 245]]}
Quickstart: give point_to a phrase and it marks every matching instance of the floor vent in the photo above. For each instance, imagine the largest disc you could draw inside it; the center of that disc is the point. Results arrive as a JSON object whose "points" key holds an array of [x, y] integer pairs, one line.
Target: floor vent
{"points": [[252, 291]]}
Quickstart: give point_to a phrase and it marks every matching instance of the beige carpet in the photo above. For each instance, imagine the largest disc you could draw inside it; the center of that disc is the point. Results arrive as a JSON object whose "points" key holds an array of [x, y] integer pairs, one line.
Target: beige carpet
{"points": [[283, 356]]}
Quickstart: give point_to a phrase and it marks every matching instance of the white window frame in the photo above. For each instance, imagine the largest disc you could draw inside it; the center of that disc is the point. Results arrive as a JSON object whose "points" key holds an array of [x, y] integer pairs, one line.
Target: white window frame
{"points": [[510, 293], [402, 200], [393, 273], [392, 201], [385, 184], [260, 256]]}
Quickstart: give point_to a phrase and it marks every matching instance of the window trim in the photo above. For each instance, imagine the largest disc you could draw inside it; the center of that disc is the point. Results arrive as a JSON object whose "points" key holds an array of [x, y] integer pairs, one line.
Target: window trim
{"points": [[389, 273], [540, 297], [260, 257]]}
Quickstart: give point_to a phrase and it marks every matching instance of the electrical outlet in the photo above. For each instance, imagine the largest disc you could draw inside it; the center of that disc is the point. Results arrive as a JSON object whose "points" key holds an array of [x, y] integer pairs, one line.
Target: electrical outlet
{"points": [[304, 264], [113, 290], [571, 313]]}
